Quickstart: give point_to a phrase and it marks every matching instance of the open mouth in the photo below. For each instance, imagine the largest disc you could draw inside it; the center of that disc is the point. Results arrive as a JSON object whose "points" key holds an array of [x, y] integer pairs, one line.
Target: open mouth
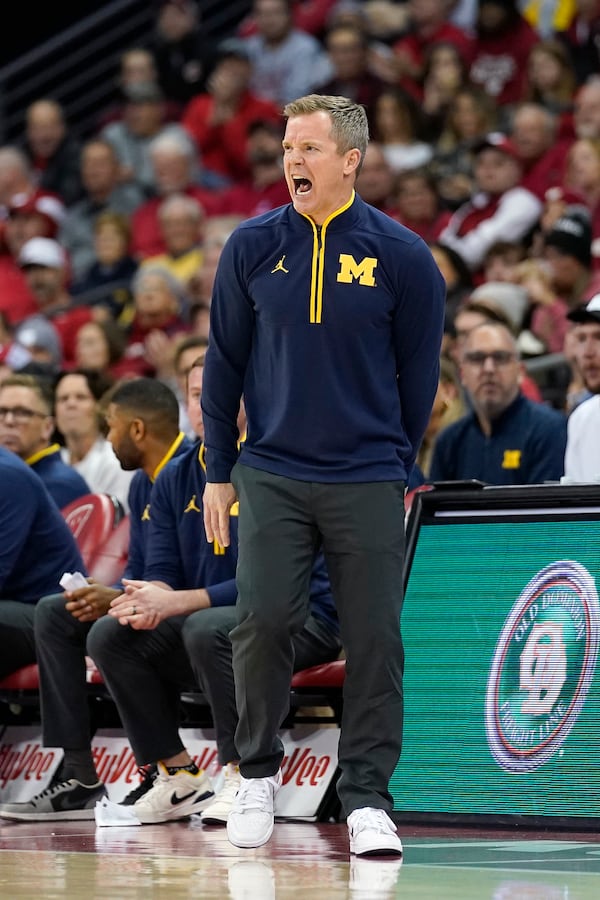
{"points": [[302, 185]]}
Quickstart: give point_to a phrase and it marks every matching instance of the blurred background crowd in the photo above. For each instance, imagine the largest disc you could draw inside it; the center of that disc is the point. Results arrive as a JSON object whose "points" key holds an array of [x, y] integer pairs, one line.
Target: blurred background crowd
{"points": [[485, 140]]}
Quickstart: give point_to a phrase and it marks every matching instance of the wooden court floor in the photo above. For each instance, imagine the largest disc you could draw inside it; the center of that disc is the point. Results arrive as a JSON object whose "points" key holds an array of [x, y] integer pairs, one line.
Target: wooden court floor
{"points": [[180, 860]]}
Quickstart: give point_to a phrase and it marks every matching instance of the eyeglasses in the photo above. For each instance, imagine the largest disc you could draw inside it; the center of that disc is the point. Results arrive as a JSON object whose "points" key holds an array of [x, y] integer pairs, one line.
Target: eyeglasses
{"points": [[498, 357], [20, 414]]}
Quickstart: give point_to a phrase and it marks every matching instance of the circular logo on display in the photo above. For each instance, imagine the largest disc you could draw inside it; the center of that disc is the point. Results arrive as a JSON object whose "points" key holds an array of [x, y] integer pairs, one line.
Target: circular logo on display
{"points": [[542, 667]]}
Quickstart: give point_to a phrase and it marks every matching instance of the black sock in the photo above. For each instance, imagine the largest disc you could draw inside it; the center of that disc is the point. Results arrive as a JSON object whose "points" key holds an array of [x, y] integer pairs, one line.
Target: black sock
{"points": [[79, 764], [192, 768]]}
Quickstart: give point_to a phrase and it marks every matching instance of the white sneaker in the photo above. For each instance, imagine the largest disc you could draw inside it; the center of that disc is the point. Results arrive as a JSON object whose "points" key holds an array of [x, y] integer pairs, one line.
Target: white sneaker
{"points": [[372, 833], [173, 796], [250, 822], [217, 812]]}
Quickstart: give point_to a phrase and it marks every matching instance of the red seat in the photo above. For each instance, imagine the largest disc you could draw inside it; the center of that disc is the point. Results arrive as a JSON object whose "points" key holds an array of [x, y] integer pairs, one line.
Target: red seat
{"points": [[92, 518], [325, 676], [109, 561], [24, 679]]}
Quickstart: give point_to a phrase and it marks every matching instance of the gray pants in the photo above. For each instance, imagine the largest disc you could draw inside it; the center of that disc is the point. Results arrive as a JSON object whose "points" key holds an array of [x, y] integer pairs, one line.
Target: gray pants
{"points": [[16, 635], [206, 639], [361, 527]]}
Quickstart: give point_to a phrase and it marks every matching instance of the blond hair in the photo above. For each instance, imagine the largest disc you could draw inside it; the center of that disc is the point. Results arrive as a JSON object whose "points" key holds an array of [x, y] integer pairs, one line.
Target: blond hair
{"points": [[349, 125]]}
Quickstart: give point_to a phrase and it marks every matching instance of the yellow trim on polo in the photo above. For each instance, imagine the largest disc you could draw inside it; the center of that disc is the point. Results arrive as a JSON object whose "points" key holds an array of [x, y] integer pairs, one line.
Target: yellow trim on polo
{"points": [[318, 263], [168, 455], [47, 451]]}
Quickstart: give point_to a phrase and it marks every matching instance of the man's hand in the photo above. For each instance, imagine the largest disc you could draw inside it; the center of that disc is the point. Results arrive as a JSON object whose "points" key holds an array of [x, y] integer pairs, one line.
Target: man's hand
{"points": [[90, 603], [143, 605], [217, 500]]}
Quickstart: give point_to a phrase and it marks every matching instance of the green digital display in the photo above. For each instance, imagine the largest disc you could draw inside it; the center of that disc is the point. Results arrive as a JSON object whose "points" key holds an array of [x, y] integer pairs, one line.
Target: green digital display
{"points": [[501, 626]]}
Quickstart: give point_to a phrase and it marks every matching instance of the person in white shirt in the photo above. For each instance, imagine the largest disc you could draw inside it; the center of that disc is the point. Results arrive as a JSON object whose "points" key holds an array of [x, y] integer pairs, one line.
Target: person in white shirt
{"points": [[582, 454], [77, 398]]}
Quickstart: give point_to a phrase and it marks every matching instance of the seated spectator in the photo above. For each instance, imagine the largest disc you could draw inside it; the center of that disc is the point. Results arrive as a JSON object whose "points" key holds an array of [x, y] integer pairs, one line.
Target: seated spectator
{"points": [[286, 62], [46, 269], [448, 406], [481, 311], [136, 66], [503, 41], [38, 338], [502, 260], [36, 549], [398, 130], [428, 25], [181, 221], [26, 427], [218, 120], [540, 147], [160, 315], [183, 53], [505, 438], [582, 460], [375, 182], [580, 37], [28, 215], [348, 47], [469, 118], [551, 80], [445, 74], [266, 187], [586, 112], [144, 119], [106, 282], [459, 281], [418, 204], [582, 175], [142, 419], [176, 171], [500, 209], [99, 347], [79, 418], [52, 149], [103, 191]]}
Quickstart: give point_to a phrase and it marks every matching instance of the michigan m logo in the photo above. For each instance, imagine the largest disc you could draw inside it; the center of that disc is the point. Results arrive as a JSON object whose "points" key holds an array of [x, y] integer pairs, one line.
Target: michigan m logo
{"points": [[362, 272]]}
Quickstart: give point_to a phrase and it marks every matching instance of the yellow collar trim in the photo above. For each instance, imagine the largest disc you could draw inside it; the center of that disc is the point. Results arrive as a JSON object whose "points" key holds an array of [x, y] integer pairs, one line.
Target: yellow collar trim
{"points": [[168, 455], [47, 451]]}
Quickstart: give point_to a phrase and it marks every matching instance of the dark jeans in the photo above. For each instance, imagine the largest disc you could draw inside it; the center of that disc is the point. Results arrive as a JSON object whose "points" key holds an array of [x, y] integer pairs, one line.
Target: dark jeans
{"points": [[361, 527]]}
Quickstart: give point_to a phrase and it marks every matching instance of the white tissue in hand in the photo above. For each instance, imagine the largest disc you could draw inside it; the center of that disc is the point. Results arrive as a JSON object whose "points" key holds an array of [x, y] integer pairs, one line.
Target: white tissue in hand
{"points": [[70, 581]]}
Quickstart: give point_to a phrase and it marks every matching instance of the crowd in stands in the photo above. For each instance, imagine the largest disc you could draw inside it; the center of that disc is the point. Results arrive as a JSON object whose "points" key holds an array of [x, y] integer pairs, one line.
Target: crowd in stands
{"points": [[485, 140], [485, 125]]}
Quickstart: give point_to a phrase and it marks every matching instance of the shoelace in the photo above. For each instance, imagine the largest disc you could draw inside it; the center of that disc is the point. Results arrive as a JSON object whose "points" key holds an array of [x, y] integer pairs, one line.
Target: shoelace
{"points": [[255, 793], [148, 775], [374, 820], [53, 789], [230, 788]]}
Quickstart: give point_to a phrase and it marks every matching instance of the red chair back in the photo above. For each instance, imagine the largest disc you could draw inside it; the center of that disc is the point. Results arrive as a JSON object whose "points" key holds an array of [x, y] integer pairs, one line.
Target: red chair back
{"points": [[109, 561], [92, 518]]}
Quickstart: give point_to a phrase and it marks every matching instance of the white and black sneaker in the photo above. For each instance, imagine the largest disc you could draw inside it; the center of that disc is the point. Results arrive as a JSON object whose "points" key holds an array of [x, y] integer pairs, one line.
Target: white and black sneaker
{"points": [[63, 801], [174, 796]]}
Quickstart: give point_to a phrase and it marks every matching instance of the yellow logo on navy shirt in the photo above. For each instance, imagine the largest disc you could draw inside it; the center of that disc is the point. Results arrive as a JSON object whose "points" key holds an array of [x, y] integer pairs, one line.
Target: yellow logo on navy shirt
{"points": [[512, 459], [192, 506], [362, 272], [146, 513], [280, 267]]}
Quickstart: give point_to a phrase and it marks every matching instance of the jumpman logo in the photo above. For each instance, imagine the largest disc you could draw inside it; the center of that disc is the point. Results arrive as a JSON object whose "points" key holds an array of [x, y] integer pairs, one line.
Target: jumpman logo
{"points": [[192, 506], [280, 267], [146, 514]]}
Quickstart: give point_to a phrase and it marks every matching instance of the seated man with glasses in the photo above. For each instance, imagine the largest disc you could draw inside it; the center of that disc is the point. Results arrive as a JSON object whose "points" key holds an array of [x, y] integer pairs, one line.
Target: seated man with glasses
{"points": [[26, 428], [505, 438]]}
